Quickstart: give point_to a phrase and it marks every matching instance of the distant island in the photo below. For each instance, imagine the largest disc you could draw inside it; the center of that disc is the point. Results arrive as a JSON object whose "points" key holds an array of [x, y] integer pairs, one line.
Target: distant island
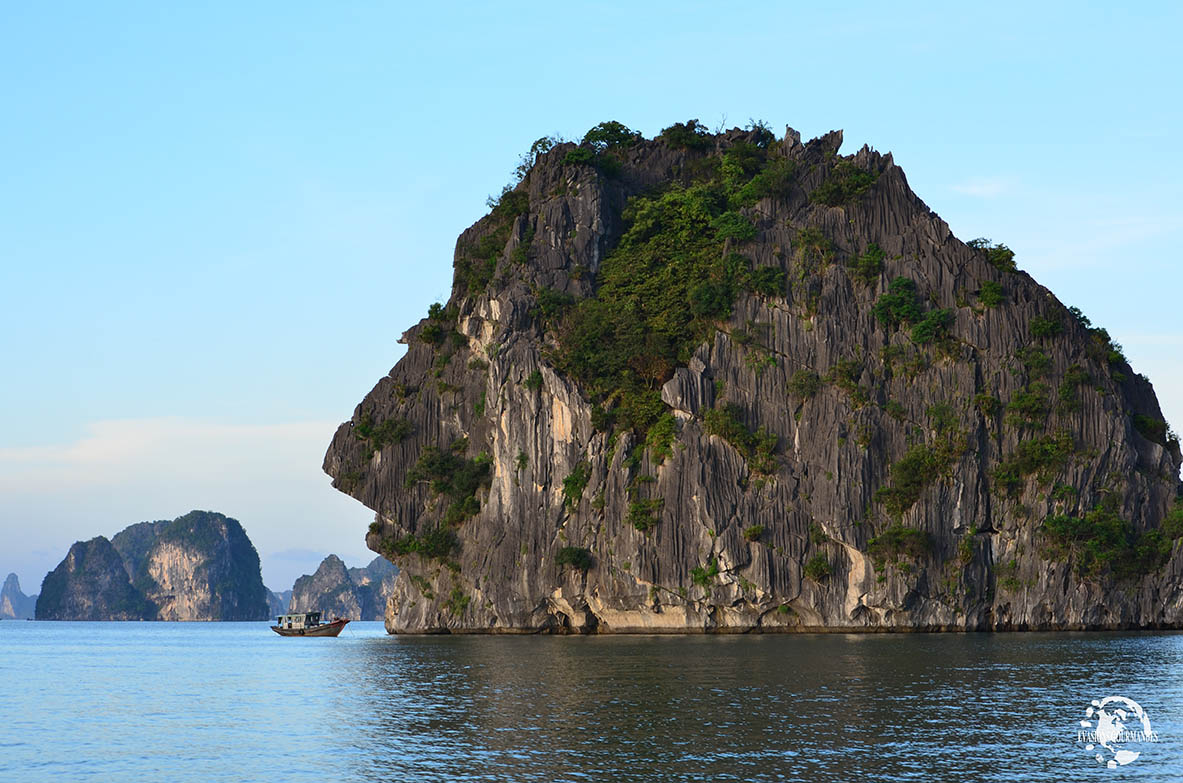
{"points": [[736, 382], [200, 566], [15, 605], [352, 593]]}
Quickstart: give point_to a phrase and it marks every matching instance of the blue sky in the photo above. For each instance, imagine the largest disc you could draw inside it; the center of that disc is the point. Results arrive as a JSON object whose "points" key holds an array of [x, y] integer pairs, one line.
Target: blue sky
{"points": [[216, 221]]}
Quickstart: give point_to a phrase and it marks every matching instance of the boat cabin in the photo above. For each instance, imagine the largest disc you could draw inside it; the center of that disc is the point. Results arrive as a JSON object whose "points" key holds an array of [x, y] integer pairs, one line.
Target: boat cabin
{"points": [[298, 621]]}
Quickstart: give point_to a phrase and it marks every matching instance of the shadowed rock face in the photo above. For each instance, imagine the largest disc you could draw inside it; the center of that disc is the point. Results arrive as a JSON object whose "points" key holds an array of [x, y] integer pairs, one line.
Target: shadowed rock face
{"points": [[201, 566], [91, 584], [961, 452], [279, 601]]}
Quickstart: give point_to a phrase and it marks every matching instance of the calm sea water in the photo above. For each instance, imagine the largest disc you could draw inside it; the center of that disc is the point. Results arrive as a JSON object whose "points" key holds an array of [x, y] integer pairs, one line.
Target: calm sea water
{"points": [[234, 702]]}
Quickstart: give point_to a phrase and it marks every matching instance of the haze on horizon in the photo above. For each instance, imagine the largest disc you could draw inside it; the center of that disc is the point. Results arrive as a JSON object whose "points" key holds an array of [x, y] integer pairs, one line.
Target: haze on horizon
{"points": [[216, 222]]}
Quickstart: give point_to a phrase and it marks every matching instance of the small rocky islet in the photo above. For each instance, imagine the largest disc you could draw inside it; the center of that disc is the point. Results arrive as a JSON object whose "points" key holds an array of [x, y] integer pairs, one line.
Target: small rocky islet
{"points": [[200, 566]]}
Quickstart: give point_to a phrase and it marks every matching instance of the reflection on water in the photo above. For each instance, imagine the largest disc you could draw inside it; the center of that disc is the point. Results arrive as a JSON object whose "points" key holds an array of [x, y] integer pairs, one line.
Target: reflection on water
{"points": [[111, 701], [826, 707]]}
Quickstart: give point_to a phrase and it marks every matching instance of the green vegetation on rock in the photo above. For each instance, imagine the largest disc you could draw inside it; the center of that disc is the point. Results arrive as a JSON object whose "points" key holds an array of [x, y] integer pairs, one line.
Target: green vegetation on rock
{"points": [[991, 294], [704, 575], [987, 403], [818, 569], [1155, 430], [625, 341], [1100, 542], [579, 558], [388, 432], [898, 542], [804, 384], [845, 374], [867, 266], [434, 543], [1046, 327], [574, 485], [758, 447], [643, 514], [1043, 456], [752, 533], [476, 261], [999, 256], [660, 438], [456, 477], [457, 602], [611, 135], [898, 305], [691, 135], [933, 327], [845, 183], [1029, 407], [920, 466]]}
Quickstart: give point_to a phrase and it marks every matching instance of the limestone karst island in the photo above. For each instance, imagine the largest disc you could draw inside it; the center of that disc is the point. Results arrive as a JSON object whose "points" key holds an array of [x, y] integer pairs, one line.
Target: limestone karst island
{"points": [[731, 382]]}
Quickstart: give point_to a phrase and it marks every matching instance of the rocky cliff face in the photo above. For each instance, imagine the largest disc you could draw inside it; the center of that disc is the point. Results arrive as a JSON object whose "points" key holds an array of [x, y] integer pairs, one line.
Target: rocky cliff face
{"points": [[200, 566], [353, 593], [91, 584], [279, 601], [734, 382], [15, 605]]}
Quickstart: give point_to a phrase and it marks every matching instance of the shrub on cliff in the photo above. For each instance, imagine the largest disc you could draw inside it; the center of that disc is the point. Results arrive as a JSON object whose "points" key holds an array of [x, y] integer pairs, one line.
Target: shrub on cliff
{"points": [[574, 485], [1100, 541], [758, 447], [818, 569], [703, 576], [580, 156], [845, 183], [691, 135], [991, 294], [453, 476], [999, 256], [476, 260], [437, 543], [776, 180], [1043, 456], [577, 557], [933, 327], [388, 432], [898, 542], [868, 265], [898, 305], [643, 514], [609, 135], [920, 466], [804, 384]]}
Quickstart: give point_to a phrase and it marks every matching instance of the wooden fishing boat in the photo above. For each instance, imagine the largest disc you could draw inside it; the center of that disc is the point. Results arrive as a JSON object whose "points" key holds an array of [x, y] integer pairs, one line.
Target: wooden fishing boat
{"points": [[307, 624]]}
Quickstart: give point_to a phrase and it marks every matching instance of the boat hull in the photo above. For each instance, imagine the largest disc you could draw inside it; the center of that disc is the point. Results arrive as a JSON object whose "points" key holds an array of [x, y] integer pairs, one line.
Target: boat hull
{"points": [[327, 629]]}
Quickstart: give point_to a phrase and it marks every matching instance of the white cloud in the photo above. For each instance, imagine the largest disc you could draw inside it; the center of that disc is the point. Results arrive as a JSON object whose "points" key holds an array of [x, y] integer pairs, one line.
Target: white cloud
{"points": [[125, 471], [985, 187]]}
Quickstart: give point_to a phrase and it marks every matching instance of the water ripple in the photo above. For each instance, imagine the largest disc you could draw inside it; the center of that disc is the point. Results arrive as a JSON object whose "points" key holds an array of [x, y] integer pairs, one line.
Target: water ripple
{"points": [[201, 702]]}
